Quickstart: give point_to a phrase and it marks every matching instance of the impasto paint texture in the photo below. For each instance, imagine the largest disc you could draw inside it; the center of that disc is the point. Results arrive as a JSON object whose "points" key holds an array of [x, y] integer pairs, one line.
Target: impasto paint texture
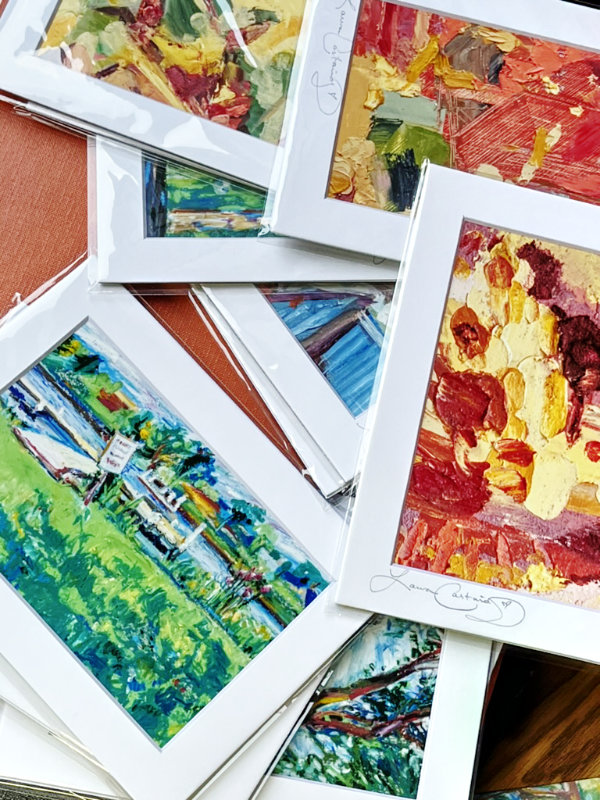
{"points": [[574, 790], [341, 328], [367, 729], [423, 86], [505, 488], [133, 541], [228, 61], [183, 202]]}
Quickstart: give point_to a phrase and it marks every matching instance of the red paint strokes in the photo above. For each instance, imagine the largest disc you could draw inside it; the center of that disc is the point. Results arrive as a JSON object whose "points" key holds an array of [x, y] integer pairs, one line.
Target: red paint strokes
{"points": [[514, 451], [546, 270], [469, 334], [150, 12], [111, 401], [386, 29], [468, 402], [499, 273], [592, 451], [187, 86], [447, 489], [584, 144]]}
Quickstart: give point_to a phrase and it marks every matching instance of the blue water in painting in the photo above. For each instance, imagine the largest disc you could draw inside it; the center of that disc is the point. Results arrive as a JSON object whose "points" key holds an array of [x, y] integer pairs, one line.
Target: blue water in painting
{"points": [[309, 316], [350, 367]]}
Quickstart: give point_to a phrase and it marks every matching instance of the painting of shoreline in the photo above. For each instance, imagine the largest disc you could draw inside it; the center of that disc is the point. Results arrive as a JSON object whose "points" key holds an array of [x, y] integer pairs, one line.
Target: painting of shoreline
{"points": [[341, 328], [367, 728], [486, 101], [188, 203], [131, 539], [228, 61], [505, 486]]}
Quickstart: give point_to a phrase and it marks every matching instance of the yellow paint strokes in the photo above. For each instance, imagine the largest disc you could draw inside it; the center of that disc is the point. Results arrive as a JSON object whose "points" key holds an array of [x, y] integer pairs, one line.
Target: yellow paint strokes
{"points": [[548, 331], [461, 268], [357, 123], [504, 40], [516, 302], [453, 78], [386, 76], [375, 98], [543, 143], [554, 394], [205, 55], [540, 579], [61, 27], [550, 86], [489, 171], [583, 499], [280, 38], [514, 389], [352, 167], [423, 59], [577, 111], [551, 484]]}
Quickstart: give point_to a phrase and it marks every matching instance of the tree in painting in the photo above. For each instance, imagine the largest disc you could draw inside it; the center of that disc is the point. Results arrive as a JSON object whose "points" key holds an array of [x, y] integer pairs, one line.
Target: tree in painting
{"points": [[367, 729], [138, 547]]}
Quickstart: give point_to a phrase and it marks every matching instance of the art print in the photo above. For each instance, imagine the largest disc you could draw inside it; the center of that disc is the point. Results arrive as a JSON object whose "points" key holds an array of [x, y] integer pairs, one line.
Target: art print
{"points": [[493, 448], [423, 85], [133, 522], [225, 62], [161, 221], [153, 578], [505, 481], [368, 728], [385, 86]]}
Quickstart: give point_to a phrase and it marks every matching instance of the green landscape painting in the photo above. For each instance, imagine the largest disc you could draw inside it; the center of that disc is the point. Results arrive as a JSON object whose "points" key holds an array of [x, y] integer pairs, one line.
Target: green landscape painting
{"points": [[131, 539], [367, 728]]}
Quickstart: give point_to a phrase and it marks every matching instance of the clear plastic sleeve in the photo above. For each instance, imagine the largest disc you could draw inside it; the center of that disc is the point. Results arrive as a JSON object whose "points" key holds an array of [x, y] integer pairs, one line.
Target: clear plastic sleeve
{"points": [[207, 84], [380, 86], [160, 543], [156, 220]]}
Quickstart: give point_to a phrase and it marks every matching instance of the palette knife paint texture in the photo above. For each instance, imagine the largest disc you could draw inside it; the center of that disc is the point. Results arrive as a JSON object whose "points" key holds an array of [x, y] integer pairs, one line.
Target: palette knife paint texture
{"points": [[130, 538], [183, 202], [228, 61], [573, 790], [492, 102], [341, 328], [505, 487], [367, 729]]}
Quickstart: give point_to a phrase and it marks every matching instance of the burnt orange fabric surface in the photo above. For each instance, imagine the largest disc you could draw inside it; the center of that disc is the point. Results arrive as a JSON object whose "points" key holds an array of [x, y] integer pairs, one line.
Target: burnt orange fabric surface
{"points": [[43, 229]]}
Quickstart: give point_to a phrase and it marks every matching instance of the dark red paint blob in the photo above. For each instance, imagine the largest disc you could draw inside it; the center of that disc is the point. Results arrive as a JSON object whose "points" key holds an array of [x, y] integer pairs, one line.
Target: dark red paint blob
{"points": [[592, 451], [546, 270], [150, 12], [446, 488], [514, 451]]}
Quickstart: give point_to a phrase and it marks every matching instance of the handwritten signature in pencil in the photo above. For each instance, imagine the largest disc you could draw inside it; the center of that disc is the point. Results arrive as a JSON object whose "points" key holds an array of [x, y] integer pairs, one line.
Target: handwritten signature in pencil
{"points": [[478, 607], [336, 46]]}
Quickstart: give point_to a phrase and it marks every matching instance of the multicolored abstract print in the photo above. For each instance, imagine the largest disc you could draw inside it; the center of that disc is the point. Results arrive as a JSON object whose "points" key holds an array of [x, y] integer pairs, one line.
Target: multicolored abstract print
{"points": [[341, 328], [425, 86], [505, 487], [367, 729], [228, 61], [574, 790], [184, 202], [131, 539]]}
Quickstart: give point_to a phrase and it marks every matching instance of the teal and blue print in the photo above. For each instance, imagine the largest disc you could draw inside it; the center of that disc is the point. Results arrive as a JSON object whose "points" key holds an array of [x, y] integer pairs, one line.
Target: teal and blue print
{"points": [[368, 727], [166, 578], [341, 328]]}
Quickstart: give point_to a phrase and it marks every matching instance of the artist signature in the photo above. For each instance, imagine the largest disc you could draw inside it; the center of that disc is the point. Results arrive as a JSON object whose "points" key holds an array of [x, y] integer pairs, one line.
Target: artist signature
{"points": [[336, 45], [501, 611]]}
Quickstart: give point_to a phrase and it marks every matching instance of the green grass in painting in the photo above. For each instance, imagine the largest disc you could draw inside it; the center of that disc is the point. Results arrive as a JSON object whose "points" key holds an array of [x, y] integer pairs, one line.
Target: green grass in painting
{"points": [[149, 644]]}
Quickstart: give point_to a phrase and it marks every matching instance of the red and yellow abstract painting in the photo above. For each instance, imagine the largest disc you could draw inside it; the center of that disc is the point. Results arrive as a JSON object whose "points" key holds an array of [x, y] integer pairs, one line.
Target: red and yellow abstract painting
{"points": [[505, 486], [486, 101]]}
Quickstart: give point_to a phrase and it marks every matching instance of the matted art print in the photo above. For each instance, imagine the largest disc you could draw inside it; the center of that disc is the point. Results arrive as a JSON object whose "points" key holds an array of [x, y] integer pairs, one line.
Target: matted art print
{"points": [[315, 351], [205, 81], [495, 444], [507, 92], [156, 220], [588, 789], [152, 577], [380, 719]]}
